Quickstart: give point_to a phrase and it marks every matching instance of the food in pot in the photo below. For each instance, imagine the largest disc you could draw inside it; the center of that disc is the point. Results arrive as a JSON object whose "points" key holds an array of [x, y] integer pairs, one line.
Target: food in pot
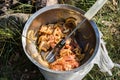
{"points": [[70, 55]]}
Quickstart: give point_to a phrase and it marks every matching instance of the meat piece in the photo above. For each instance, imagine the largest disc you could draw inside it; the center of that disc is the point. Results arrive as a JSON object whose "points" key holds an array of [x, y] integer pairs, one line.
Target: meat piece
{"points": [[66, 63], [70, 22], [43, 29], [65, 29], [49, 30], [57, 33], [31, 36], [57, 67], [44, 46], [42, 38], [51, 41], [70, 55], [65, 52], [67, 45]]}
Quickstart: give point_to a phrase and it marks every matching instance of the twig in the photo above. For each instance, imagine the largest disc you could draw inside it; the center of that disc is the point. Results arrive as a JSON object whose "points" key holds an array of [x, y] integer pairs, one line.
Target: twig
{"points": [[117, 65]]}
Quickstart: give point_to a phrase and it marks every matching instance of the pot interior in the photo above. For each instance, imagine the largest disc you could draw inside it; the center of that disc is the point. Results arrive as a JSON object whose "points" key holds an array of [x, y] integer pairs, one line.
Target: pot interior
{"points": [[85, 35]]}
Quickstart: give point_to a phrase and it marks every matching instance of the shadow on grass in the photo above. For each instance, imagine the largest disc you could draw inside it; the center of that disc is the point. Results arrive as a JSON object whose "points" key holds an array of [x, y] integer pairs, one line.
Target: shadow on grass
{"points": [[14, 65]]}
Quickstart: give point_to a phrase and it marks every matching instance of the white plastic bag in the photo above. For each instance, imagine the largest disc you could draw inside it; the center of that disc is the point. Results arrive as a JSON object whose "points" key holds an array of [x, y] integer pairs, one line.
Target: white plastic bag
{"points": [[102, 59]]}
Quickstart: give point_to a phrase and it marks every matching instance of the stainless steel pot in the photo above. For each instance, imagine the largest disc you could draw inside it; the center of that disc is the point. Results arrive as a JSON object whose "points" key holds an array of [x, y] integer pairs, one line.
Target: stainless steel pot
{"points": [[88, 33]]}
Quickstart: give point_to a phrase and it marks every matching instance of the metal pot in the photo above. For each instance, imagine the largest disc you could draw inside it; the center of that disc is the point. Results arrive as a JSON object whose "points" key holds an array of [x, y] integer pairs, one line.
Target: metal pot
{"points": [[87, 34]]}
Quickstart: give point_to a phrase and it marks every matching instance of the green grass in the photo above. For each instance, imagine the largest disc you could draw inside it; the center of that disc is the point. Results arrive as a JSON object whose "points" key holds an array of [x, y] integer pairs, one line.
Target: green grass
{"points": [[107, 19], [14, 65]]}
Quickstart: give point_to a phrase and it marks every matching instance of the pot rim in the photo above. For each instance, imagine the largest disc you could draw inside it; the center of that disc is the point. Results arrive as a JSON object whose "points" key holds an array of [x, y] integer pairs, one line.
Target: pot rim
{"points": [[56, 6]]}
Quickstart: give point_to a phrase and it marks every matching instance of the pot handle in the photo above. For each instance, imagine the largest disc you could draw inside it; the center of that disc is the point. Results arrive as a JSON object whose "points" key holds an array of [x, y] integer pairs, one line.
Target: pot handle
{"points": [[94, 9], [102, 59]]}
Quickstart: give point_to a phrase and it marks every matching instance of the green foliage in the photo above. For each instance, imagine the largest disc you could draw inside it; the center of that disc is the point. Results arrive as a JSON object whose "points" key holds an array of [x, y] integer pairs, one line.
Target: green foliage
{"points": [[23, 8], [14, 64], [84, 4]]}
